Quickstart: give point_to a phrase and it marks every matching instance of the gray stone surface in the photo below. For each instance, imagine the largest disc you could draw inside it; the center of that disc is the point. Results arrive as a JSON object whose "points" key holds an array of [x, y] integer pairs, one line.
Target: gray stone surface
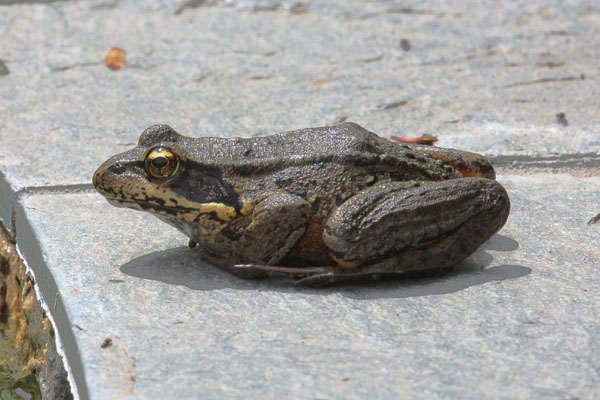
{"points": [[517, 320]]}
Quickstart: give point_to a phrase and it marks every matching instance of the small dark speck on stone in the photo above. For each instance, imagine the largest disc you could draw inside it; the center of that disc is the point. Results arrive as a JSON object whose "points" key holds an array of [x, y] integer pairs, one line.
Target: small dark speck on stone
{"points": [[201, 77], [405, 44], [106, 343], [561, 118], [260, 77], [560, 33], [3, 69], [551, 64], [372, 59], [394, 104]]}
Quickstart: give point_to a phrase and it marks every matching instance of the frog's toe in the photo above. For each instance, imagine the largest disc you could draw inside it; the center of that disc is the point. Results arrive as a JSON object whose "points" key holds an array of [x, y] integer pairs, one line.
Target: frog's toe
{"points": [[332, 277], [253, 271], [318, 280], [248, 271]]}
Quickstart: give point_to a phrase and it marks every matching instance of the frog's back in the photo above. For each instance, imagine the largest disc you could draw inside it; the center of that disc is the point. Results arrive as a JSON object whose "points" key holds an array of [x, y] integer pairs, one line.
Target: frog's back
{"points": [[343, 140], [349, 144], [339, 140], [346, 145]]}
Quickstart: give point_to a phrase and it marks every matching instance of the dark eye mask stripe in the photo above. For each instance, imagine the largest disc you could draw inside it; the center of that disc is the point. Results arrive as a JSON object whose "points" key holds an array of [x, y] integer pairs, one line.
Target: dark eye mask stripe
{"points": [[205, 184]]}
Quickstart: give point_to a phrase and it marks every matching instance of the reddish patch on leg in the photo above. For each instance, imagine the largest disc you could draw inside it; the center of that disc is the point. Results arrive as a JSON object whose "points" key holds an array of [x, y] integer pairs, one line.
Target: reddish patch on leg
{"points": [[310, 247]]}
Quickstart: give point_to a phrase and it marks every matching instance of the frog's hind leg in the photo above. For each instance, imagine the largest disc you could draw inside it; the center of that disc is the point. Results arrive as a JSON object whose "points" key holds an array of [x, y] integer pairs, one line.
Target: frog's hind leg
{"points": [[444, 252], [396, 227]]}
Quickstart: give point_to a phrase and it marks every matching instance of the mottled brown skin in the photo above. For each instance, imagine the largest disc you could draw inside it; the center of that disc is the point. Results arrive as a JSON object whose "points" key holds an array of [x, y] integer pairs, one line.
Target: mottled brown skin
{"points": [[322, 204]]}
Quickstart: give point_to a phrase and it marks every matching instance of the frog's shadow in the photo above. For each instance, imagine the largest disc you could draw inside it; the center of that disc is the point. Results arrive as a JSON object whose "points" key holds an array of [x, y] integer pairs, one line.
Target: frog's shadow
{"points": [[181, 266]]}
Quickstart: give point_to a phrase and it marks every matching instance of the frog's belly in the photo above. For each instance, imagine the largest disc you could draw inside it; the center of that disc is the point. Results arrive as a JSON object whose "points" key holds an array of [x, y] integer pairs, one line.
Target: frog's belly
{"points": [[310, 249]]}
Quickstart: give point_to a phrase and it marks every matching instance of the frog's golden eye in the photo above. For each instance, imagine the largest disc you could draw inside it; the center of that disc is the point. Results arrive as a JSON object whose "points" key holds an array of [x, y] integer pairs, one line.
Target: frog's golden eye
{"points": [[161, 163]]}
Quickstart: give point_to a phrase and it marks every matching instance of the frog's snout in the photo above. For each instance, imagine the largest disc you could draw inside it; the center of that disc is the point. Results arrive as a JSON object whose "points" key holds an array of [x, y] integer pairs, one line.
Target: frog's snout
{"points": [[107, 173], [97, 177], [109, 169]]}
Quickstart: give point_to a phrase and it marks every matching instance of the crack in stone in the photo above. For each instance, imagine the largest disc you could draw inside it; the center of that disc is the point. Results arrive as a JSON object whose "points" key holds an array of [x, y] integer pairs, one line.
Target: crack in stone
{"points": [[546, 80], [412, 11], [577, 164], [55, 189], [73, 66], [395, 104], [13, 2], [558, 161]]}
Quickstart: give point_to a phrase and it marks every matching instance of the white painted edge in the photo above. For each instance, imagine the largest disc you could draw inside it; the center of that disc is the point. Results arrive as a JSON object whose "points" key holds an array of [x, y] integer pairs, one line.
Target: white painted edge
{"points": [[58, 342]]}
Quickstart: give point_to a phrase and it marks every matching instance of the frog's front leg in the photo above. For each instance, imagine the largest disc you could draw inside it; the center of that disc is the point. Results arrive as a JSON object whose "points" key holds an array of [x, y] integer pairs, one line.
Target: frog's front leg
{"points": [[395, 227], [276, 225]]}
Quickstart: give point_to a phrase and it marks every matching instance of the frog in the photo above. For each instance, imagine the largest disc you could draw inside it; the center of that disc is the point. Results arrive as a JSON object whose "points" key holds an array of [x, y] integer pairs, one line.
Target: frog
{"points": [[317, 205]]}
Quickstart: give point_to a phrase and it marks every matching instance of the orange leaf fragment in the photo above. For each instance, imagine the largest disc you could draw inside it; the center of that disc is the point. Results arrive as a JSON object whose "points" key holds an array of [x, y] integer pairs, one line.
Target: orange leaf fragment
{"points": [[425, 138], [115, 58]]}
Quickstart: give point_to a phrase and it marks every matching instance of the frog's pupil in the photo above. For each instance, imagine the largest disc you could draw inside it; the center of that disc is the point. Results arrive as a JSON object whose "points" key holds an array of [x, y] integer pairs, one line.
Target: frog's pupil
{"points": [[159, 162]]}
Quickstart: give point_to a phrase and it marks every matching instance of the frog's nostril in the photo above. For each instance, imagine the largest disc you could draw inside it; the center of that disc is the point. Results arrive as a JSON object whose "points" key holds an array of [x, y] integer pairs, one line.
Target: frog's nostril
{"points": [[117, 168]]}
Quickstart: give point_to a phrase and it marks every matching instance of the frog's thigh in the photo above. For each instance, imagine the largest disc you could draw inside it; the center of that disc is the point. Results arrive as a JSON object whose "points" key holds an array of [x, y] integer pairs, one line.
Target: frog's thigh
{"points": [[277, 224], [447, 220]]}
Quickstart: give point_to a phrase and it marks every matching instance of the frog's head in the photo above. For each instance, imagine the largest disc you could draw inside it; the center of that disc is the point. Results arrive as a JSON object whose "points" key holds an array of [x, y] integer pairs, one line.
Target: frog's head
{"points": [[159, 176]]}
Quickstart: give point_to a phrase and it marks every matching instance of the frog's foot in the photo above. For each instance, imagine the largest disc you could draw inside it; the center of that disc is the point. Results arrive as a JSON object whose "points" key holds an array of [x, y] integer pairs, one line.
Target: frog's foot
{"points": [[313, 276], [250, 271], [337, 275], [418, 260]]}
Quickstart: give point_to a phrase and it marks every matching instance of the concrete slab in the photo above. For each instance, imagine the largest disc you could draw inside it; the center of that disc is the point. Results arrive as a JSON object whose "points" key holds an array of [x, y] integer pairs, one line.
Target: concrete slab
{"points": [[516, 320]]}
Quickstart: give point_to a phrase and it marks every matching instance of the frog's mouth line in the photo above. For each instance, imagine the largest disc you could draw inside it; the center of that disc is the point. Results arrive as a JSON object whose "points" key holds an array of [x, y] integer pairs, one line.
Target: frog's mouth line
{"points": [[147, 206]]}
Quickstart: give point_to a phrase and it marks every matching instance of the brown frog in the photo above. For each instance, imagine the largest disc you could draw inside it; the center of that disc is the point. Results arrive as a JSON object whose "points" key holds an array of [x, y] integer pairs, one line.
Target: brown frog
{"points": [[320, 204]]}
